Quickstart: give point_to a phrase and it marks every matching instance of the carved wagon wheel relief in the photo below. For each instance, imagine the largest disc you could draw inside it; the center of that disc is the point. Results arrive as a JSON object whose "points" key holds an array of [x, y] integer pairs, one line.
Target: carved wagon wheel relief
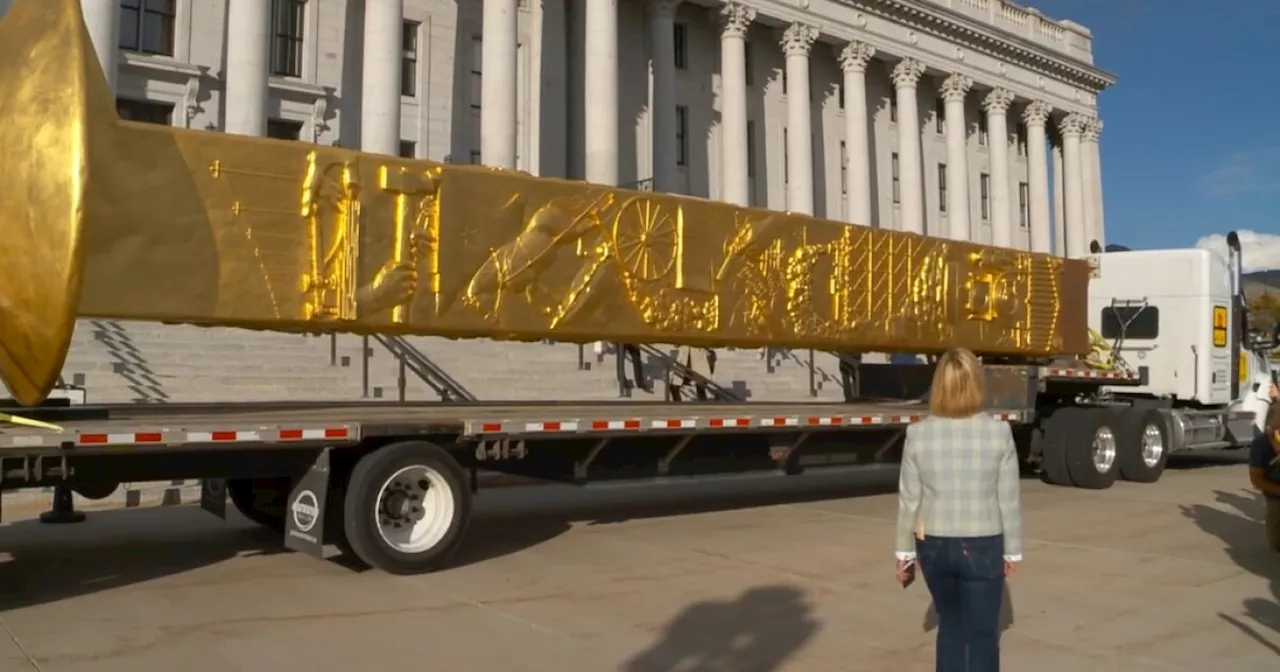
{"points": [[646, 237]]}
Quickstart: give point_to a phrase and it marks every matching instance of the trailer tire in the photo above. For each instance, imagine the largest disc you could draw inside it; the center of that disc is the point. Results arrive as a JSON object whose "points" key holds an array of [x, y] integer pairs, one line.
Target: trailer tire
{"points": [[1092, 449], [261, 500], [1055, 440], [406, 507], [1144, 445]]}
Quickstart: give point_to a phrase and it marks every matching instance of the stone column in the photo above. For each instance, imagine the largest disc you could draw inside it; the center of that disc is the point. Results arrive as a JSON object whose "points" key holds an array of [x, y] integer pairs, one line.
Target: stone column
{"points": [[1059, 211], [954, 91], [380, 94], [797, 41], [499, 85], [248, 64], [662, 107], [854, 58], [906, 75], [600, 88], [1093, 132], [1035, 116], [102, 18], [735, 19], [1088, 200], [996, 105], [1073, 197]]}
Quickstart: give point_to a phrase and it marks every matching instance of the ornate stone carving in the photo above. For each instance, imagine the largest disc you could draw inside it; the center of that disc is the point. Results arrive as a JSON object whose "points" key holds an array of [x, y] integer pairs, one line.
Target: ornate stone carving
{"points": [[663, 7], [1037, 113], [855, 56], [955, 88], [1092, 129], [1072, 124], [798, 39], [997, 101], [907, 72], [735, 19]]}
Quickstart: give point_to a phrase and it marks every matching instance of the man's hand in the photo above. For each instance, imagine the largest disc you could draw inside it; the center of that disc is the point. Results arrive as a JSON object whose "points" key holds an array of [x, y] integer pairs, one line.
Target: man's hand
{"points": [[905, 570]]}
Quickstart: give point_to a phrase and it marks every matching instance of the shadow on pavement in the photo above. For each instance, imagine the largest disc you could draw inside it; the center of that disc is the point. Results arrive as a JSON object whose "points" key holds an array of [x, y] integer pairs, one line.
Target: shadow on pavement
{"points": [[758, 631], [1241, 529]]}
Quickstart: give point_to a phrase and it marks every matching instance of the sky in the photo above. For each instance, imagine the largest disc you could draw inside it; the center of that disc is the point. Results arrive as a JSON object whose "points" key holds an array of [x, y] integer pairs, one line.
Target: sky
{"points": [[1191, 137]]}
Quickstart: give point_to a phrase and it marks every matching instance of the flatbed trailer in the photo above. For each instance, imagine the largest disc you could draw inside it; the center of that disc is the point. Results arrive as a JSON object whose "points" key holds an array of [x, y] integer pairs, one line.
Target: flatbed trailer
{"points": [[392, 482]]}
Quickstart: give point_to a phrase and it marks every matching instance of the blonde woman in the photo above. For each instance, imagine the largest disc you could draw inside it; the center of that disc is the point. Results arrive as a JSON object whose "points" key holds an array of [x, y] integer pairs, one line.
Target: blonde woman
{"points": [[959, 516]]}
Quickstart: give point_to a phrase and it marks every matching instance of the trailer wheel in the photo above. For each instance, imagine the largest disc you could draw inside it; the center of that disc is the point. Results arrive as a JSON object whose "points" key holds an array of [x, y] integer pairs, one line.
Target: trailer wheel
{"points": [[1055, 440], [406, 507], [1144, 445], [261, 500], [1093, 448]]}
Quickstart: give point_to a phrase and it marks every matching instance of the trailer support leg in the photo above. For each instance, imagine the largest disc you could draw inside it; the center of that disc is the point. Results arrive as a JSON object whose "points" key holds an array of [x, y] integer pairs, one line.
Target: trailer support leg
{"points": [[63, 510], [664, 465], [581, 467], [784, 449]]}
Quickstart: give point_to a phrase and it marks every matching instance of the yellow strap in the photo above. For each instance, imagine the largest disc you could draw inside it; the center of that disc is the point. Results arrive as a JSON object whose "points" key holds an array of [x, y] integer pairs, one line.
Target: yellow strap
{"points": [[28, 422]]}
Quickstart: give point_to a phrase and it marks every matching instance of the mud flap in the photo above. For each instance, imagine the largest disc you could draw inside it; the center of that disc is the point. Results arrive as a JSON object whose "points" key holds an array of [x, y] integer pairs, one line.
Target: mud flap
{"points": [[304, 520], [213, 496]]}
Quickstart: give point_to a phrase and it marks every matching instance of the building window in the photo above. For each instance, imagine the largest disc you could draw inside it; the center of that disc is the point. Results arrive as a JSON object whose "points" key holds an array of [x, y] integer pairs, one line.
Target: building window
{"points": [[942, 187], [408, 149], [1024, 206], [284, 129], [146, 26], [983, 140], [751, 162], [784, 80], [893, 109], [786, 159], [844, 168], [840, 95], [940, 115], [286, 37], [1022, 140], [682, 135], [409, 58], [749, 63], [984, 188], [477, 82], [145, 111], [897, 182], [681, 45]]}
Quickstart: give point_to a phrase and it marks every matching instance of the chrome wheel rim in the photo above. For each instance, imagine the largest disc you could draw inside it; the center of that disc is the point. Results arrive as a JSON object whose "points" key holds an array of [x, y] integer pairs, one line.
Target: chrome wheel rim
{"points": [[1152, 445], [1104, 449]]}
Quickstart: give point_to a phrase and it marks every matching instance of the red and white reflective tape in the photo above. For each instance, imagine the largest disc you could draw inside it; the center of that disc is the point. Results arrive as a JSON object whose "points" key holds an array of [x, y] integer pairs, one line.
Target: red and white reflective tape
{"points": [[681, 423], [717, 423], [779, 422], [723, 423], [615, 425], [1091, 374], [172, 437], [552, 426]]}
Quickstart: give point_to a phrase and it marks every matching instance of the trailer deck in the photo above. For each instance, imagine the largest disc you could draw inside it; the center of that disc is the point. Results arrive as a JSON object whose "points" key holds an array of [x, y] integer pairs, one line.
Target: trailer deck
{"points": [[110, 428]]}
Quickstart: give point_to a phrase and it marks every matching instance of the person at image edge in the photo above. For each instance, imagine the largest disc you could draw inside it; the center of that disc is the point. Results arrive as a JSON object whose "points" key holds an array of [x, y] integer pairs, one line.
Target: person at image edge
{"points": [[959, 515], [1264, 468]]}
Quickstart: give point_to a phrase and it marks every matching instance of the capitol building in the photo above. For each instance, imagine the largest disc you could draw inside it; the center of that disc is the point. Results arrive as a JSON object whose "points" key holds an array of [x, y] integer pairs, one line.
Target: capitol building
{"points": [[970, 119]]}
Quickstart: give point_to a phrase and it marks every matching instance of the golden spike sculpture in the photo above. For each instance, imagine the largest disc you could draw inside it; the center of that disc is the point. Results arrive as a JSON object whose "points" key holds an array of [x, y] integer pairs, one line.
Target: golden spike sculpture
{"points": [[119, 220]]}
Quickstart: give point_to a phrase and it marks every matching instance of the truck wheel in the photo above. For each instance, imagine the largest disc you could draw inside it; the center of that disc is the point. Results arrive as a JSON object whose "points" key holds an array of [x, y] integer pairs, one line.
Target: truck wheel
{"points": [[1058, 432], [1144, 445], [261, 500], [1092, 449], [406, 508]]}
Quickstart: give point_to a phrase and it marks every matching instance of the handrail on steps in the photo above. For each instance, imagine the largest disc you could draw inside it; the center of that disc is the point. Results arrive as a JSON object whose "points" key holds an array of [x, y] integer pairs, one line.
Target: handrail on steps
{"points": [[413, 359], [674, 368]]}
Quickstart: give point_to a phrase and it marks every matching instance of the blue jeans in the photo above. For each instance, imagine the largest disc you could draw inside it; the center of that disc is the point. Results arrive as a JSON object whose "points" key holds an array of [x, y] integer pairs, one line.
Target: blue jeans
{"points": [[965, 576]]}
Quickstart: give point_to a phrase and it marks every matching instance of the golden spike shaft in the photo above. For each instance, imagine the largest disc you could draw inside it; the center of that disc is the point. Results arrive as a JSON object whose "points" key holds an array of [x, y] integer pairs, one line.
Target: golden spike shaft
{"points": [[113, 219]]}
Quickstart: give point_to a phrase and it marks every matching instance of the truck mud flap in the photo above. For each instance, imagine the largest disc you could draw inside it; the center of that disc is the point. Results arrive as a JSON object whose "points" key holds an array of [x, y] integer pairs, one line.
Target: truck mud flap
{"points": [[304, 523], [213, 496]]}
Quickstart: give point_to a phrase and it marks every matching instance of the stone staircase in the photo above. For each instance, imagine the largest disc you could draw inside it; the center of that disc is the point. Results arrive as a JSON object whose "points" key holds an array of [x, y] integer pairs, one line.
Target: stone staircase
{"points": [[135, 362]]}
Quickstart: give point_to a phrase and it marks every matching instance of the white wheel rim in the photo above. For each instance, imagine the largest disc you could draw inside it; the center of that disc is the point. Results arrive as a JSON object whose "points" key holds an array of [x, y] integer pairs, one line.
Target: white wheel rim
{"points": [[414, 510], [1104, 449], [1152, 445]]}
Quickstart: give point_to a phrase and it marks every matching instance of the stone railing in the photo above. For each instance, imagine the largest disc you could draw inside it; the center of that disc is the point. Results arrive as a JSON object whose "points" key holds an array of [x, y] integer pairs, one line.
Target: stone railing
{"points": [[1065, 36]]}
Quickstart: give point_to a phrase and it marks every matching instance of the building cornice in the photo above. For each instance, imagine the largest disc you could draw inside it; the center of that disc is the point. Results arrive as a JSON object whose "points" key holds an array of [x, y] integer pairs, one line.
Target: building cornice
{"points": [[942, 22]]}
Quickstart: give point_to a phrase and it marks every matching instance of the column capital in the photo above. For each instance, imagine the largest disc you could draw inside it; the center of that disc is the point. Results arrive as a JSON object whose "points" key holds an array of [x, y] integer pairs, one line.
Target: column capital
{"points": [[664, 8], [955, 88], [855, 56], [997, 101], [1072, 125], [798, 39], [735, 19], [907, 72], [1037, 113], [1092, 129]]}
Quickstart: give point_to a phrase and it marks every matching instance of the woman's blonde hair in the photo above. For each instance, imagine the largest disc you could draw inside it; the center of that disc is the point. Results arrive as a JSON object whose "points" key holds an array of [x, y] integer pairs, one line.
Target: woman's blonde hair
{"points": [[958, 389]]}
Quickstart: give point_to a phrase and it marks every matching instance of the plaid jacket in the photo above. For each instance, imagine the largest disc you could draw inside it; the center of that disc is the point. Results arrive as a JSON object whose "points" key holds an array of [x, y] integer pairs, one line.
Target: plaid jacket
{"points": [[959, 478]]}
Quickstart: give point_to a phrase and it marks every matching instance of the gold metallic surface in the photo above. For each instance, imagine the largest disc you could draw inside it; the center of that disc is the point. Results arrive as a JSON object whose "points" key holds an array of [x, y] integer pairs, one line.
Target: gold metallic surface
{"points": [[112, 219]]}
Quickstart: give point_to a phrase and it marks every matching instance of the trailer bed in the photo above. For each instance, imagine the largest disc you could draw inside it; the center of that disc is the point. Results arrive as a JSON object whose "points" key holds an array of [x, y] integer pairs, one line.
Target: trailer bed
{"points": [[152, 427]]}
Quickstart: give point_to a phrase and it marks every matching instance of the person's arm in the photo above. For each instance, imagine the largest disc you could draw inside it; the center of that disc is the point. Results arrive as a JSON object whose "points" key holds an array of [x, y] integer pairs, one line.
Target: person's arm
{"points": [[1008, 495], [1261, 454], [909, 489], [1258, 477]]}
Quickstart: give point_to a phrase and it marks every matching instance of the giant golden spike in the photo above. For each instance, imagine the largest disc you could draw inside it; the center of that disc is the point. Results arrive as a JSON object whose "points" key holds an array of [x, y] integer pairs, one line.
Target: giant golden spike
{"points": [[111, 219]]}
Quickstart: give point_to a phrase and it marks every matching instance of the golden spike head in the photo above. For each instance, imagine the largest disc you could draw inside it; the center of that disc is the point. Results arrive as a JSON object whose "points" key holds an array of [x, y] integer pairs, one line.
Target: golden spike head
{"points": [[56, 108]]}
